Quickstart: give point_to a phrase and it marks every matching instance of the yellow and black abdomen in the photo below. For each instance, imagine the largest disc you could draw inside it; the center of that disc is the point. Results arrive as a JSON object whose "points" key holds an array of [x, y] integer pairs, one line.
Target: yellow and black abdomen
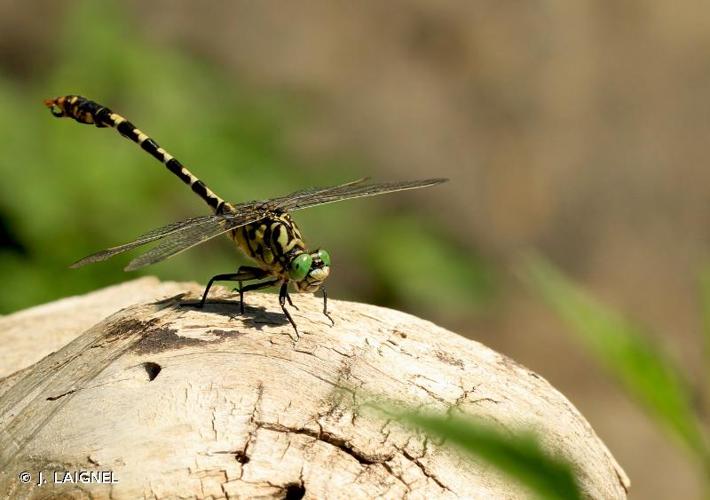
{"points": [[270, 241]]}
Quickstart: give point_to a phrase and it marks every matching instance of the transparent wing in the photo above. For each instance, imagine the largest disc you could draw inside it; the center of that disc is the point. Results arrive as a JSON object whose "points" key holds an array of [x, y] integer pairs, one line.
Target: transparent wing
{"points": [[179, 236], [192, 235], [355, 189], [143, 239], [246, 213], [308, 193]]}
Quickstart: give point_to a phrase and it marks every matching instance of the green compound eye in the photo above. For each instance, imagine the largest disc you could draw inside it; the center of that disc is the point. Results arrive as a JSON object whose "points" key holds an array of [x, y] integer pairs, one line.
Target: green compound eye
{"points": [[299, 267], [325, 257]]}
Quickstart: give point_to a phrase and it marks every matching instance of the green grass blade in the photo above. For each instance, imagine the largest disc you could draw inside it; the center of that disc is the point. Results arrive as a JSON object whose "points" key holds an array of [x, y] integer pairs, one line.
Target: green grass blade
{"points": [[705, 310], [520, 456], [642, 367]]}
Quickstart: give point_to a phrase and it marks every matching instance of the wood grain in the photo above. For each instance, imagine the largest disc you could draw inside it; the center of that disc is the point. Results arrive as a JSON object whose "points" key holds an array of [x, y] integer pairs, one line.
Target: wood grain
{"points": [[209, 404]]}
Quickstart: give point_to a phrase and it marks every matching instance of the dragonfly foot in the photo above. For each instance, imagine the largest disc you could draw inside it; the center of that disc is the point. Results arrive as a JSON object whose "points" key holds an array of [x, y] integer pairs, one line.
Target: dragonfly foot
{"points": [[283, 296], [290, 302], [325, 307]]}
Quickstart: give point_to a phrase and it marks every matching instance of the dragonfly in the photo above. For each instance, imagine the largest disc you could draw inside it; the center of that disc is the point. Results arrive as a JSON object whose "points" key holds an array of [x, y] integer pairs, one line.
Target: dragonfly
{"points": [[264, 230]]}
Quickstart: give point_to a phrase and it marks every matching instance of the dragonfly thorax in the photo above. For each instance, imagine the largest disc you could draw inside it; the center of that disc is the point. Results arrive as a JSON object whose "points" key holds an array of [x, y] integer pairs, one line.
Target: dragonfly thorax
{"points": [[271, 241], [275, 242]]}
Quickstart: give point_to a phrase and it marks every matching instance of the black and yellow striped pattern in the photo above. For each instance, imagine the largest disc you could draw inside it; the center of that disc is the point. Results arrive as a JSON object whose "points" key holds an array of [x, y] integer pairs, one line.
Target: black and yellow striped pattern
{"points": [[272, 242], [89, 112]]}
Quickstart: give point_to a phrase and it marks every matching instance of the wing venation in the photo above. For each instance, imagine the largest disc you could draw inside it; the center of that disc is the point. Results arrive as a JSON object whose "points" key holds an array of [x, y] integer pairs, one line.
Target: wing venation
{"points": [[180, 236], [178, 242], [144, 239], [348, 191]]}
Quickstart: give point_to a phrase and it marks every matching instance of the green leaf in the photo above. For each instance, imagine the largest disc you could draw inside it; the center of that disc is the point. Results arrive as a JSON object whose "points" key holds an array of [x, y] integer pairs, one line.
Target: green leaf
{"points": [[642, 367], [705, 310], [519, 455]]}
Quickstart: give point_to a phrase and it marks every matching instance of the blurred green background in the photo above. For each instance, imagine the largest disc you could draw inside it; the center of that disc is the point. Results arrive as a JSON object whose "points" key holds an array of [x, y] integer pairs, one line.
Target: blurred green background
{"points": [[90, 190], [576, 128]]}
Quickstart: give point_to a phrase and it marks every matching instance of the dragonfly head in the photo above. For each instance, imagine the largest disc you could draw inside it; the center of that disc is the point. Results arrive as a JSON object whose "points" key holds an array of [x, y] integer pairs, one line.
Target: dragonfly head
{"points": [[309, 270]]}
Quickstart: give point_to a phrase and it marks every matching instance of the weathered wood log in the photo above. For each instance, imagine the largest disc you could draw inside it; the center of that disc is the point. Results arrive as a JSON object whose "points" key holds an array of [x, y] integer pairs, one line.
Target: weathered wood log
{"points": [[179, 402]]}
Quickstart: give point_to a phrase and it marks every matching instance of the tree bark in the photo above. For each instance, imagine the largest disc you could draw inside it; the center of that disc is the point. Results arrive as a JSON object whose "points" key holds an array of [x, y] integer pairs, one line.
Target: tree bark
{"points": [[176, 401]]}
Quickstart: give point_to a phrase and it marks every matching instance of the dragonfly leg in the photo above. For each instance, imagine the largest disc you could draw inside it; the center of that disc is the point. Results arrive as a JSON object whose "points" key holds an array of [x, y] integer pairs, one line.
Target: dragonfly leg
{"points": [[241, 296], [257, 286], [219, 277], [253, 273], [283, 295], [290, 302], [244, 273], [325, 306]]}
